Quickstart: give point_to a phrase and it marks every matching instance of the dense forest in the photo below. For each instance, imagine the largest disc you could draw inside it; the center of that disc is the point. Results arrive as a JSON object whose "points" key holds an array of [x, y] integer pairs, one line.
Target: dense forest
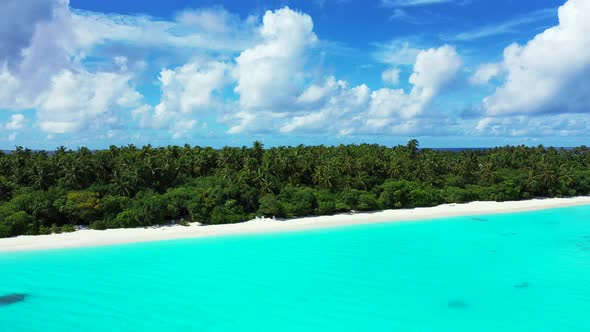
{"points": [[43, 193]]}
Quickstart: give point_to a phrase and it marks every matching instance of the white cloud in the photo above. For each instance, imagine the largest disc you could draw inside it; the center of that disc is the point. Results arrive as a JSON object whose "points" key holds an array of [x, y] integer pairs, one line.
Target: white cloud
{"points": [[391, 76], [412, 3], [78, 101], [433, 69], [183, 128], [44, 44], [334, 112], [551, 73], [345, 110], [145, 119], [50, 66], [190, 88], [565, 125], [186, 90], [17, 122], [396, 52], [258, 122], [216, 20], [44, 48], [18, 20], [49, 76], [267, 74], [506, 27], [485, 73], [10, 96], [207, 29], [318, 93]]}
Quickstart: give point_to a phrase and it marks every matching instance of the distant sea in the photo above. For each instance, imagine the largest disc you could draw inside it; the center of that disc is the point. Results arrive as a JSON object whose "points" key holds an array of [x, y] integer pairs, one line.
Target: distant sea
{"points": [[512, 272], [436, 149]]}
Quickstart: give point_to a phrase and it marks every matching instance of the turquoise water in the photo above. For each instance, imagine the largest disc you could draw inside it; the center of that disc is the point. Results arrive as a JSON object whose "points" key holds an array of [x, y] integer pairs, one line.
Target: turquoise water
{"points": [[514, 272]]}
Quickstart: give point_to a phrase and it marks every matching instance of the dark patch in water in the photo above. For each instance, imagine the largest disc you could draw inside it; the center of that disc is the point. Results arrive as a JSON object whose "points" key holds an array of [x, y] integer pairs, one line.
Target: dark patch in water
{"points": [[522, 285], [457, 304], [584, 243], [11, 299], [478, 219]]}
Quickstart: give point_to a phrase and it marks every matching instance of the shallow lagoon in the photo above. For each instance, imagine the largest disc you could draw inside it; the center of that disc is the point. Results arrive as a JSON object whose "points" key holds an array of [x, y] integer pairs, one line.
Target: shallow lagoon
{"points": [[513, 272]]}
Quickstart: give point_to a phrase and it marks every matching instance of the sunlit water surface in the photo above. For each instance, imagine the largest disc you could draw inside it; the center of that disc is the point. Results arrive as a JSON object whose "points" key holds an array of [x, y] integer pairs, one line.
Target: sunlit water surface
{"points": [[512, 272]]}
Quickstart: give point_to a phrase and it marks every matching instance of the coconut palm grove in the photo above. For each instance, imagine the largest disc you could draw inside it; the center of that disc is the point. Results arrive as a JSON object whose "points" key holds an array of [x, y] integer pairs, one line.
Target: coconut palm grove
{"points": [[42, 193]]}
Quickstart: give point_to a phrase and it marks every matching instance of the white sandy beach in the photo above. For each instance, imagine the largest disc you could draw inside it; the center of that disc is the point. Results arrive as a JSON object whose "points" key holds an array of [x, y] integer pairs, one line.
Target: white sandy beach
{"points": [[87, 238]]}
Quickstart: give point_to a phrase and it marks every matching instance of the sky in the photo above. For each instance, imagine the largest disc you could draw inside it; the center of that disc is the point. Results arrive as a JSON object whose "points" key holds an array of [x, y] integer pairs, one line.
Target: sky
{"points": [[451, 73]]}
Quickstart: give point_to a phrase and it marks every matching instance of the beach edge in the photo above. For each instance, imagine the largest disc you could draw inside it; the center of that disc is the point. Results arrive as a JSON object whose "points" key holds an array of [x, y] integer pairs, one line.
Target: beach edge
{"points": [[94, 238]]}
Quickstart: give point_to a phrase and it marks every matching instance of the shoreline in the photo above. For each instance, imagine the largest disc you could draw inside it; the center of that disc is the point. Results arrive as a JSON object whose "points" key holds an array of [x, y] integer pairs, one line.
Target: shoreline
{"points": [[94, 238]]}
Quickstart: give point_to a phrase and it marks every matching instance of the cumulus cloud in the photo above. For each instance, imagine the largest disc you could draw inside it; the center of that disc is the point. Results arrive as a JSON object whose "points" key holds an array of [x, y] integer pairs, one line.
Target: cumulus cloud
{"points": [[412, 3], [267, 73], [47, 62], [208, 29], [16, 34], [216, 20], [335, 111], [396, 52], [391, 76], [78, 101], [44, 48], [565, 125], [48, 74], [317, 93], [271, 98], [434, 68], [550, 73], [17, 122], [485, 73], [190, 88], [44, 43], [258, 122], [186, 90], [348, 110]]}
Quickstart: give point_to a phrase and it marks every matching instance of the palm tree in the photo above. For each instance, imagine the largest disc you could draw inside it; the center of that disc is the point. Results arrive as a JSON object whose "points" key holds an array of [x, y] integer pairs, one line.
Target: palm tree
{"points": [[488, 172], [566, 175]]}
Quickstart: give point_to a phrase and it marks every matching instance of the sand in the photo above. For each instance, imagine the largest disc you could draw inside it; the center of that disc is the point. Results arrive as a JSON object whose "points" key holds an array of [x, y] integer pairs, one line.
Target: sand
{"points": [[89, 238]]}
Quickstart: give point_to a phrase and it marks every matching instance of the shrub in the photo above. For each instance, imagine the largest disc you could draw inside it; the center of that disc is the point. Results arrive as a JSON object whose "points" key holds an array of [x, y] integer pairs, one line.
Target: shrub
{"points": [[228, 213], [350, 197], [455, 195], [18, 223], [423, 198], [68, 228], [81, 207], [298, 201], [326, 202], [396, 194], [109, 206], [270, 206], [367, 202]]}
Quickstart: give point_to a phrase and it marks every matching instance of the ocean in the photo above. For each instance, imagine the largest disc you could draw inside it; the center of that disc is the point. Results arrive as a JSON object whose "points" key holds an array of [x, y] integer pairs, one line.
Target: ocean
{"points": [[509, 272]]}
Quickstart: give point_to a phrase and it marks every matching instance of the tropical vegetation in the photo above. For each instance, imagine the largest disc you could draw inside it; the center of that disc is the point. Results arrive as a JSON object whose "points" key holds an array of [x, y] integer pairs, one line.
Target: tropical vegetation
{"points": [[47, 192]]}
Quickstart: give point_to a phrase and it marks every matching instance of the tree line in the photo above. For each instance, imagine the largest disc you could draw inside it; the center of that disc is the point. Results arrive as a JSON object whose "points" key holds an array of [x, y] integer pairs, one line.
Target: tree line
{"points": [[42, 193]]}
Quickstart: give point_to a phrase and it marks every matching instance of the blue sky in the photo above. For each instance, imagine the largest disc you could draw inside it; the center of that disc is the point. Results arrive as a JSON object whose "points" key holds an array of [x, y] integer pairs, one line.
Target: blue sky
{"points": [[452, 73]]}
